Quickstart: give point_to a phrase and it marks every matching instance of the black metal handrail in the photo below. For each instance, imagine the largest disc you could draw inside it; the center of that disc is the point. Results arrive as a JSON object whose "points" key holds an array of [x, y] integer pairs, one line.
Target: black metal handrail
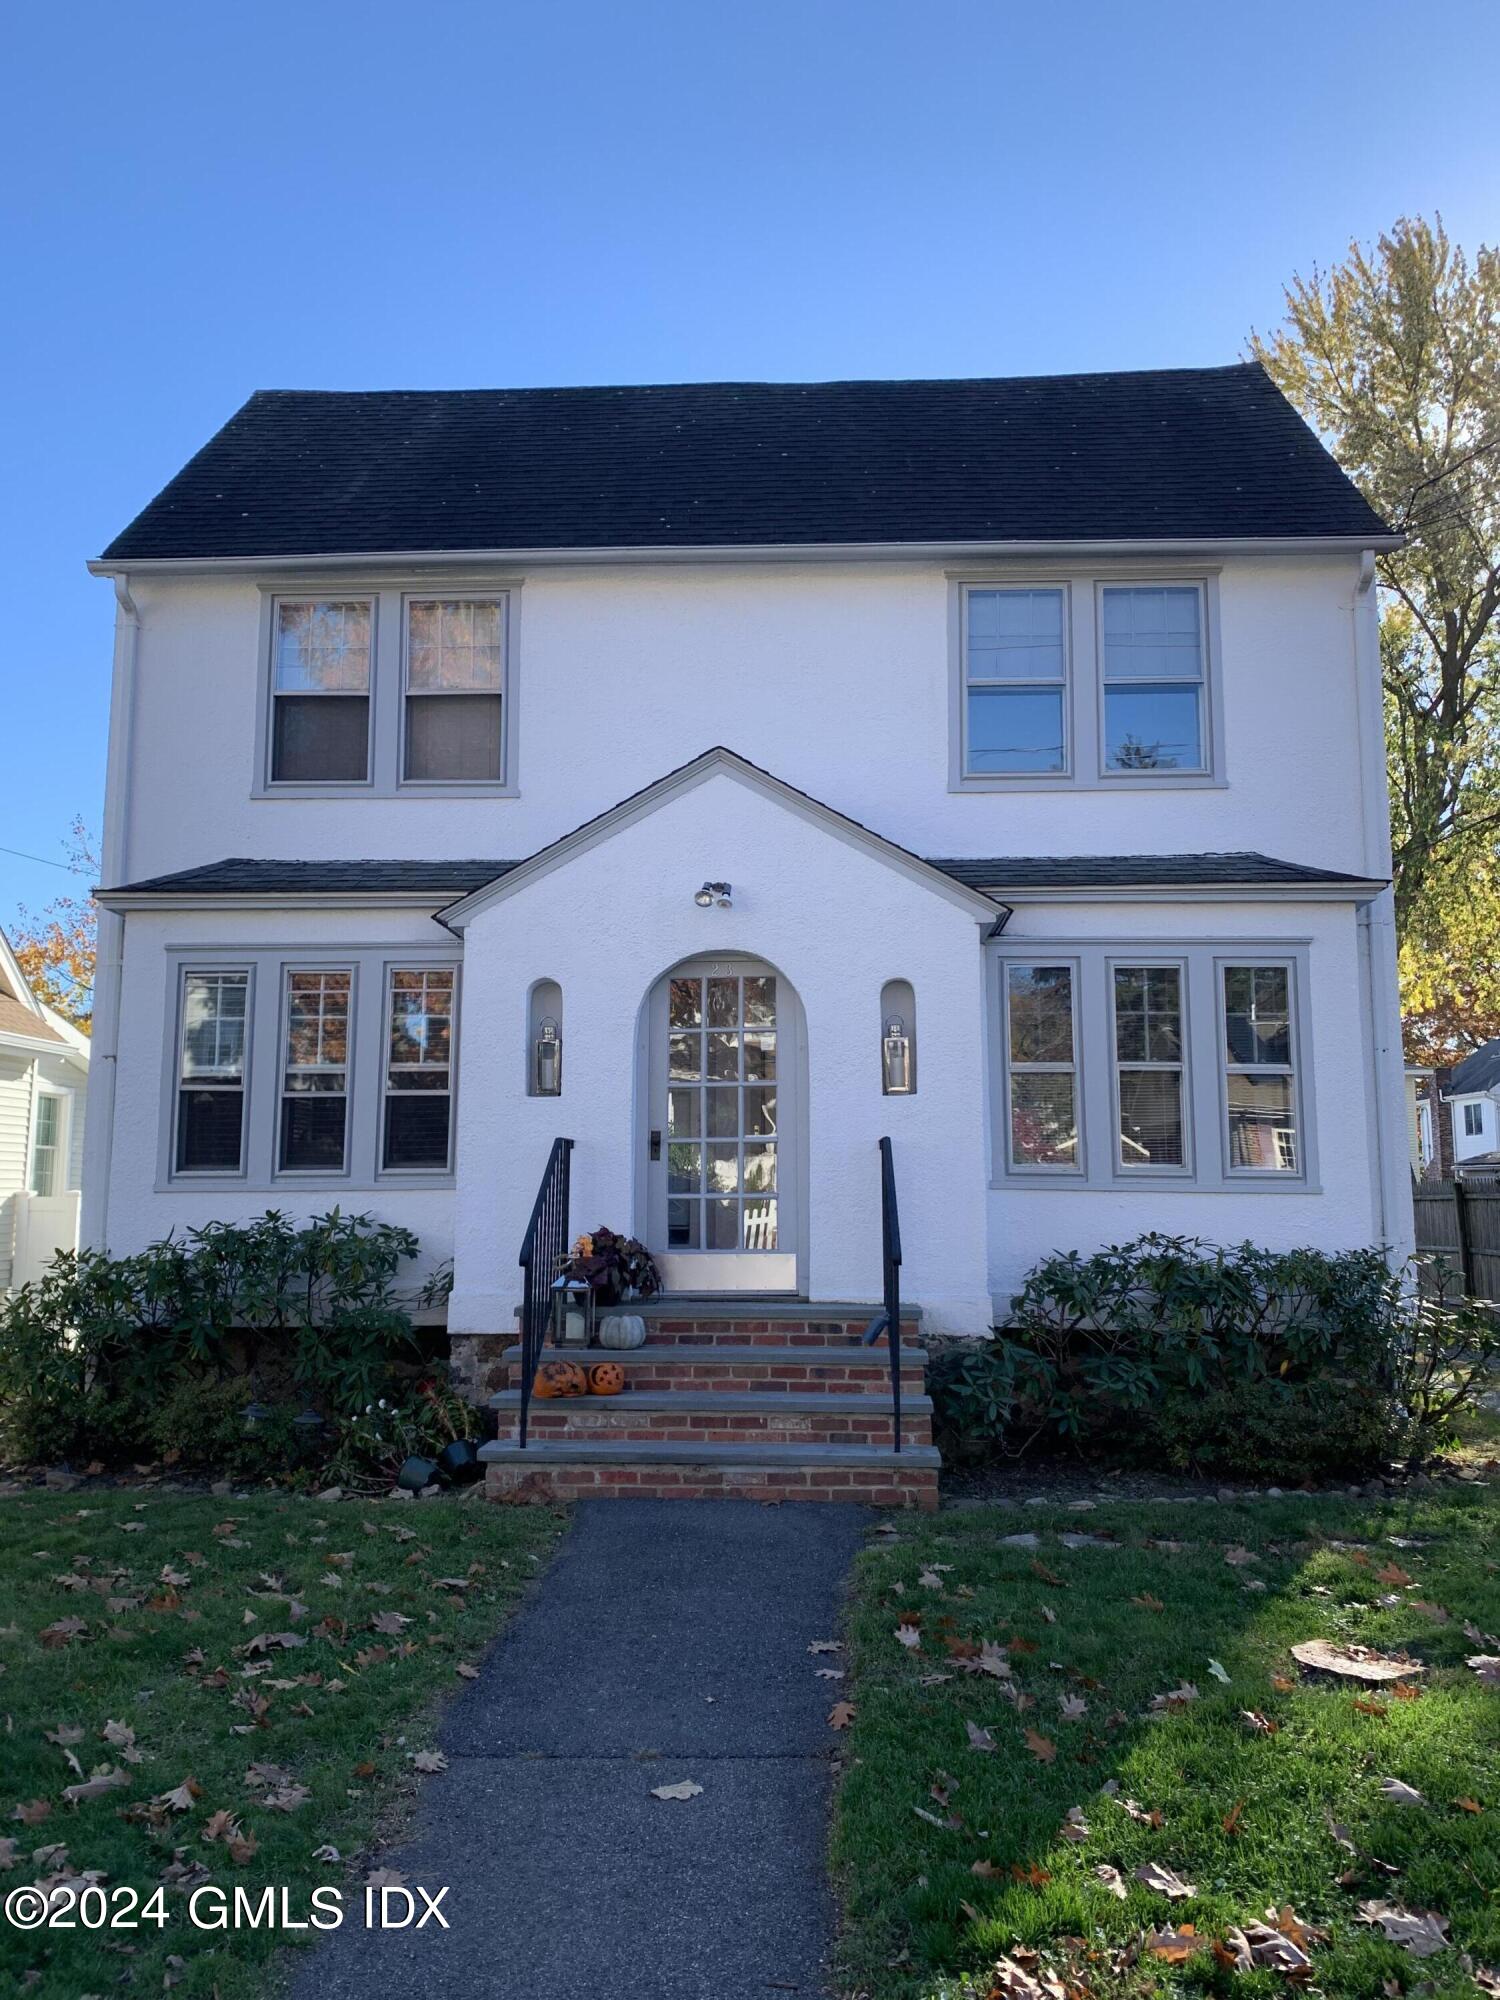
{"points": [[888, 1320], [542, 1253]]}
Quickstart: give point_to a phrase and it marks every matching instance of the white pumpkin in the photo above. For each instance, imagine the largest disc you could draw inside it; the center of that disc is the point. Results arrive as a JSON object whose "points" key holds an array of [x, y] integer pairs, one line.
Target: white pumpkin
{"points": [[623, 1330]]}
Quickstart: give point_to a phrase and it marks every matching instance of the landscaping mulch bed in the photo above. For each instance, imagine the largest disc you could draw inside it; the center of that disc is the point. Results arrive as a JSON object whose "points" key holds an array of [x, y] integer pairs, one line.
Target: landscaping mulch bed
{"points": [[1093, 1769]]}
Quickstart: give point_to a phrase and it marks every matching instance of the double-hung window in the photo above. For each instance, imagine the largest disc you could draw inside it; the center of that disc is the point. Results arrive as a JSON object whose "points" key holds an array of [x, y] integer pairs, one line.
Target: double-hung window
{"points": [[1015, 683], [320, 692], [1041, 1067], [416, 1127], [211, 1073], [315, 1072], [1473, 1121], [46, 1145], [1150, 1124], [1260, 1077], [455, 677], [1152, 663]]}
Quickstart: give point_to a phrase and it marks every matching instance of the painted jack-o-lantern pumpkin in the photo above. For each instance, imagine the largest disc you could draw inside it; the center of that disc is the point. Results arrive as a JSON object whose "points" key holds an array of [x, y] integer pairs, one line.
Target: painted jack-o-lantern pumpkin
{"points": [[606, 1378], [561, 1378]]}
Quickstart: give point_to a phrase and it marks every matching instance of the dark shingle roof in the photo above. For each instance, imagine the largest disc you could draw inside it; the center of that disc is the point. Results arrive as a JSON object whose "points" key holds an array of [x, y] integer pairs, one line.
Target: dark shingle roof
{"points": [[1478, 1072], [999, 875], [1183, 453]]}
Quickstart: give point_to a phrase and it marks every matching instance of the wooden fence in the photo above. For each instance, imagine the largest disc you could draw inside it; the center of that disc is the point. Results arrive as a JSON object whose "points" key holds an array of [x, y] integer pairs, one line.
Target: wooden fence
{"points": [[1459, 1221]]}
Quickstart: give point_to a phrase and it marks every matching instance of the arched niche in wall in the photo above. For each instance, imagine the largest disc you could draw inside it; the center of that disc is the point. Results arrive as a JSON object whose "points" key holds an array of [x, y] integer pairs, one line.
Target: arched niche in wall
{"points": [[898, 1039], [544, 1040]]}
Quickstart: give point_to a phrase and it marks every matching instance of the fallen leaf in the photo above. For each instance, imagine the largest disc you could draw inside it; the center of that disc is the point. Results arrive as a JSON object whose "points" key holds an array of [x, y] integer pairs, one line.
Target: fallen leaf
{"points": [[1231, 1819], [826, 1646], [1237, 1557], [33, 1811], [685, 1790], [1177, 1697], [1354, 1663], [1258, 1724], [1175, 1946], [1072, 1706], [1487, 1666], [96, 1787], [1368, 1706], [385, 1878], [1009, 1981], [1163, 1881], [1219, 1671], [910, 1637], [1148, 1603], [429, 1761], [1419, 1932], [1029, 1873], [1075, 1827], [63, 1632], [1392, 1573], [841, 1715], [1113, 1880], [1041, 1747], [391, 1623], [979, 1739], [1400, 1794], [1468, 1805], [1283, 1683], [466, 1672], [1263, 1945], [1139, 1813]]}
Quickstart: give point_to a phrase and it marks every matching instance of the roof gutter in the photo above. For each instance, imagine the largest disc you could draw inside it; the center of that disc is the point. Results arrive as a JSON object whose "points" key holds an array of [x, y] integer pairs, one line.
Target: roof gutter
{"points": [[99, 1128], [763, 552]]}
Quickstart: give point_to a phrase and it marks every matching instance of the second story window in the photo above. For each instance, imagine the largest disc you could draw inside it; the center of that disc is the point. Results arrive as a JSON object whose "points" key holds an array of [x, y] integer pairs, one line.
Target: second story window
{"points": [[1153, 678], [455, 673], [320, 692], [1015, 674]]}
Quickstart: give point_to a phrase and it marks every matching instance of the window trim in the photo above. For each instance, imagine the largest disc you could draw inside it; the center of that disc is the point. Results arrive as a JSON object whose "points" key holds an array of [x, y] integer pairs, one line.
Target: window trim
{"points": [[1039, 1170], [1271, 961], [283, 1050], [266, 759], [1201, 957], [456, 787], [1059, 587], [1476, 1130], [1109, 775], [61, 1145], [1152, 961], [419, 1176], [267, 965], [190, 967], [386, 597], [1084, 647]]}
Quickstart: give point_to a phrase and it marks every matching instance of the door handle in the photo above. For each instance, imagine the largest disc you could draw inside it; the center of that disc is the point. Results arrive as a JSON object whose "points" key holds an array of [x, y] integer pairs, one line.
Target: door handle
{"points": [[656, 1145]]}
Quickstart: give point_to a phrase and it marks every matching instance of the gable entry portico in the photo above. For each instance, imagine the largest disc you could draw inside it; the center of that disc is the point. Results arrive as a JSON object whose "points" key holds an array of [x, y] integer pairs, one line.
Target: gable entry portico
{"points": [[832, 912]]}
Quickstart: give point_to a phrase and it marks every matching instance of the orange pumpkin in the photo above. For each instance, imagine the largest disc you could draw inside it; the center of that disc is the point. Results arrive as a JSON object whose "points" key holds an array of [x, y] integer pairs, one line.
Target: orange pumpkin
{"points": [[561, 1378], [606, 1378]]}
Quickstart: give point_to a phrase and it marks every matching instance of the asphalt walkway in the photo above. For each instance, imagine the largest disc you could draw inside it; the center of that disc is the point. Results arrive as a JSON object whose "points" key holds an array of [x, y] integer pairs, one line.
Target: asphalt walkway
{"points": [[668, 1641]]}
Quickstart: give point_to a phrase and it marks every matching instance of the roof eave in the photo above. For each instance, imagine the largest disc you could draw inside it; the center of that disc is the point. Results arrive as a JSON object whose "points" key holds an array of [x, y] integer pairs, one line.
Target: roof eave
{"points": [[1353, 891], [276, 899], [733, 552]]}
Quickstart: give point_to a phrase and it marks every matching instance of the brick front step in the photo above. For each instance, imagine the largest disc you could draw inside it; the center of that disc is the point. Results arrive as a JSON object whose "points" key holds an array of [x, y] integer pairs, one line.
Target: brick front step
{"points": [[709, 1417], [863, 1473], [674, 1319], [742, 1367]]}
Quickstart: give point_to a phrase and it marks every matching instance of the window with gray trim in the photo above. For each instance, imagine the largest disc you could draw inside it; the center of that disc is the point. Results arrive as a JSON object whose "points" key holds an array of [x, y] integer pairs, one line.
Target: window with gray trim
{"points": [[455, 679], [1150, 1057], [1041, 1070], [1473, 1121], [1260, 1078], [1124, 1063], [320, 691], [418, 1092], [211, 1073], [1015, 681], [315, 1072], [1152, 665]]}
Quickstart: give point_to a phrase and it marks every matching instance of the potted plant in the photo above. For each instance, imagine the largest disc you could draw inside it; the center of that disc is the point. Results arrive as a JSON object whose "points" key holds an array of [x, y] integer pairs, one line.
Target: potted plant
{"points": [[614, 1267]]}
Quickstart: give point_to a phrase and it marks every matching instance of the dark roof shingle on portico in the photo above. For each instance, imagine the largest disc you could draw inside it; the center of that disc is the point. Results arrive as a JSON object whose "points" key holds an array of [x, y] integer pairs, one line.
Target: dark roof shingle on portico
{"points": [[997, 875], [1178, 454]]}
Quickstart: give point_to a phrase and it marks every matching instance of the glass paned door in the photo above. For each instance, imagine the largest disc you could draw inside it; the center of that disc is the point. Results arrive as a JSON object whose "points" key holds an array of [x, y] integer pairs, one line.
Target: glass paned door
{"points": [[719, 1156]]}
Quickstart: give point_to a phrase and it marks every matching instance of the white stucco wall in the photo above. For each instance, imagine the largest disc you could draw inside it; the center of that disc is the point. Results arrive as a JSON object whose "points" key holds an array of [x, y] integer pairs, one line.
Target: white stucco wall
{"points": [[1028, 1221], [835, 677]]}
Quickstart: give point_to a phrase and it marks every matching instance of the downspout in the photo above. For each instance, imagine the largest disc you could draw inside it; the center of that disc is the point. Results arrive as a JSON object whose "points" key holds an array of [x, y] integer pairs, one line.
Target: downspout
{"points": [[99, 1129], [1391, 1180]]}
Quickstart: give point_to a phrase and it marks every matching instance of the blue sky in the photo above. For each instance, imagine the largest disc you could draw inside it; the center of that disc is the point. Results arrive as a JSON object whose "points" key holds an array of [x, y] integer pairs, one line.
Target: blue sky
{"points": [[200, 201]]}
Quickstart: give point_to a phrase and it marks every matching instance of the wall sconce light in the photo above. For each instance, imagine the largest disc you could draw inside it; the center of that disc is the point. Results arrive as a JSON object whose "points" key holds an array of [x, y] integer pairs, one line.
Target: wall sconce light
{"points": [[895, 1058], [547, 1059], [711, 893]]}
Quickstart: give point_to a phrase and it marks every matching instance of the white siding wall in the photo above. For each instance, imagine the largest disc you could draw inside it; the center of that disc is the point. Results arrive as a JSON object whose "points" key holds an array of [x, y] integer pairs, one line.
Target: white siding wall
{"points": [[1469, 1145], [15, 1125]]}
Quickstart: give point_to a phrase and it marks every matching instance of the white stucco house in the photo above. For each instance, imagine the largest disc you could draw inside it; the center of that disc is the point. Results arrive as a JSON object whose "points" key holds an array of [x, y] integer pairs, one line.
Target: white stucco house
{"points": [[44, 1067], [995, 766]]}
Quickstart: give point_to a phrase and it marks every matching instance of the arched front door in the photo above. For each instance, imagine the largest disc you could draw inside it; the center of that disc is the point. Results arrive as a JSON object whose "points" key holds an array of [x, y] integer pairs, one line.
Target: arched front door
{"points": [[723, 1139]]}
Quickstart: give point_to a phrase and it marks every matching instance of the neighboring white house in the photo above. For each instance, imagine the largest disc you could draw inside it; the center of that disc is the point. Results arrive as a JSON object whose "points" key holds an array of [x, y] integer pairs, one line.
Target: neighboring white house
{"points": [[993, 765], [44, 1068], [1473, 1100]]}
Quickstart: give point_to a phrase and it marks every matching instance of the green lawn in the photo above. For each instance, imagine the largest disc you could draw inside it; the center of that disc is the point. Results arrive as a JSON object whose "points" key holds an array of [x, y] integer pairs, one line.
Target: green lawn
{"points": [[1247, 1813], [282, 1660]]}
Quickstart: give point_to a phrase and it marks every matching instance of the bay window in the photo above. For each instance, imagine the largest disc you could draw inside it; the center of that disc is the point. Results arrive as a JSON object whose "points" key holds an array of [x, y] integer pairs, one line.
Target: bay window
{"points": [[1260, 1082], [1149, 1055], [1041, 1067]]}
